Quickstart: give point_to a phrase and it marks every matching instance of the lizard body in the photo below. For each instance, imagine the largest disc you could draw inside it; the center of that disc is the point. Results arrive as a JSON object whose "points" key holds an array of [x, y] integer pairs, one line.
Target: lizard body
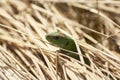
{"points": [[65, 42]]}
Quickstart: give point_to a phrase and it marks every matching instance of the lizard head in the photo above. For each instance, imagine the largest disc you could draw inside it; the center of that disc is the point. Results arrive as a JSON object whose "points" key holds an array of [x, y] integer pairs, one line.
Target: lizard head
{"points": [[56, 39], [60, 40]]}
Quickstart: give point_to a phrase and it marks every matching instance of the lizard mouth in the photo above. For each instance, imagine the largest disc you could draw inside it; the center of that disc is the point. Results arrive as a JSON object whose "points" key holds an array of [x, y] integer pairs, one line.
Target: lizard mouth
{"points": [[48, 37]]}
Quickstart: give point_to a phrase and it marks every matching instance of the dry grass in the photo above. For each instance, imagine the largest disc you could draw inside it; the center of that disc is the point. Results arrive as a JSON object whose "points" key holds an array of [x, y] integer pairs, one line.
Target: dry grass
{"points": [[26, 55]]}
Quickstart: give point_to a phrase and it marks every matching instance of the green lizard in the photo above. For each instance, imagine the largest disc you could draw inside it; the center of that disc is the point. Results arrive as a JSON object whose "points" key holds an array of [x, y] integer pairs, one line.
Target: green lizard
{"points": [[65, 42]]}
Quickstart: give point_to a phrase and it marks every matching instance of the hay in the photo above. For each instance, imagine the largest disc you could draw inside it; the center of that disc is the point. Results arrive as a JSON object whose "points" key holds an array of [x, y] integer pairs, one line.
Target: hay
{"points": [[25, 54]]}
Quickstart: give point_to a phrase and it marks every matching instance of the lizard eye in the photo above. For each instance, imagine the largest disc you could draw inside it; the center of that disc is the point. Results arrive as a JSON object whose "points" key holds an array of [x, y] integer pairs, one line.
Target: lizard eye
{"points": [[56, 37], [67, 43]]}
